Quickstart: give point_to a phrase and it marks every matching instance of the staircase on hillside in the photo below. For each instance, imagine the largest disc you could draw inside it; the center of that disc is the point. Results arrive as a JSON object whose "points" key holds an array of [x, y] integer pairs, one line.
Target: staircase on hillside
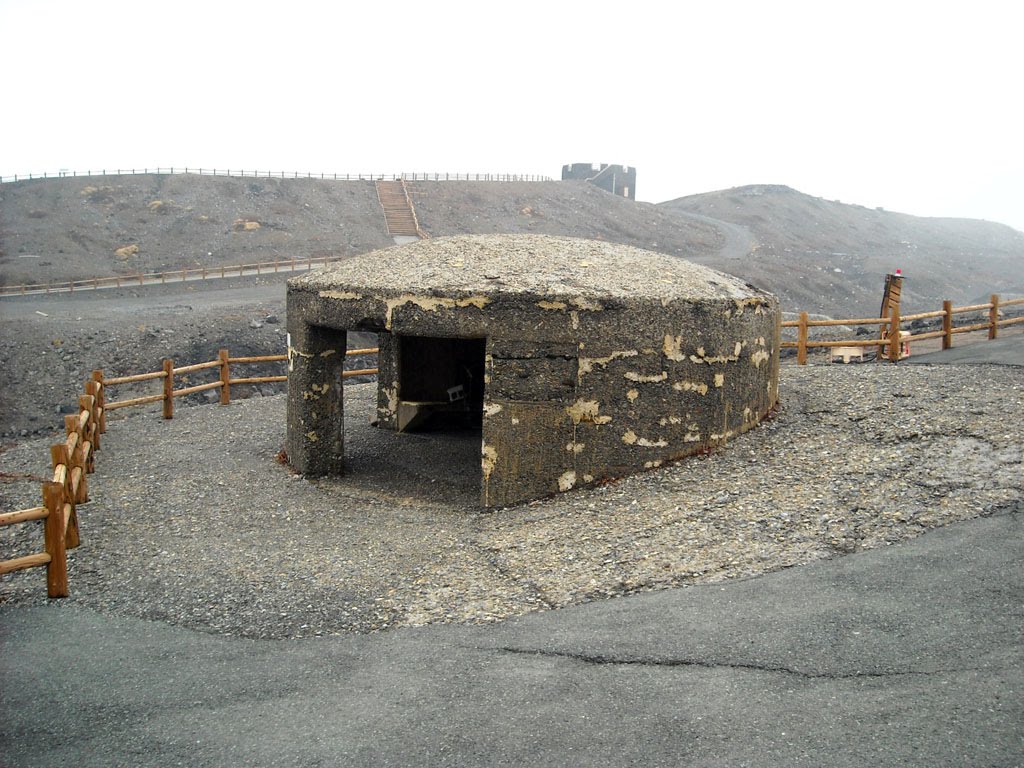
{"points": [[399, 214]]}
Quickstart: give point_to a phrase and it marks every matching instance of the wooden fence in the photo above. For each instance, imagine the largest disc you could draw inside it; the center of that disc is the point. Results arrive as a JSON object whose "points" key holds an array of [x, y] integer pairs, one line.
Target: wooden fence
{"points": [[407, 176], [223, 382], [74, 458], [891, 337], [72, 461]]}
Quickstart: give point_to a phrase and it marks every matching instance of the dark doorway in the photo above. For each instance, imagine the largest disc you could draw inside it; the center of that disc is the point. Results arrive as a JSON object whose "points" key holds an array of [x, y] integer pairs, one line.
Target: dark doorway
{"points": [[440, 383]]}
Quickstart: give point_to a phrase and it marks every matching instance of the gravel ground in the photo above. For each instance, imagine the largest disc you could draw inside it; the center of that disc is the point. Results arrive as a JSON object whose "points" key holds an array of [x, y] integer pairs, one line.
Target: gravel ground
{"points": [[194, 523]]}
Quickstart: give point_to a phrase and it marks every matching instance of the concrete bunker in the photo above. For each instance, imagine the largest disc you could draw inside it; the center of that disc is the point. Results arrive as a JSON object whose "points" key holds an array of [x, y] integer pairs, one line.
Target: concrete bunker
{"points": [[577, 360]]}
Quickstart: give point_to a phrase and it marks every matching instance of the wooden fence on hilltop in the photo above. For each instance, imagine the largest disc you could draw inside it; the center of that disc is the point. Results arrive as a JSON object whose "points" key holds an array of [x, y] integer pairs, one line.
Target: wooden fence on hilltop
{"points": [[891, 337], [74, 458], [257, 174]]}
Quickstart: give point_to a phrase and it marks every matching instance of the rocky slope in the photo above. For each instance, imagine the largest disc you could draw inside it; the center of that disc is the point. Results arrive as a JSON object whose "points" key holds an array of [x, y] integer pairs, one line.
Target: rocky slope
{"points": [[817, 255], [825, 256]]}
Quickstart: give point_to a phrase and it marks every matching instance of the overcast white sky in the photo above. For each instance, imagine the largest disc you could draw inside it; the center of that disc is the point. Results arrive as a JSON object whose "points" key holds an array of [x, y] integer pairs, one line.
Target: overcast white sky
{"points": [[913, 106]]}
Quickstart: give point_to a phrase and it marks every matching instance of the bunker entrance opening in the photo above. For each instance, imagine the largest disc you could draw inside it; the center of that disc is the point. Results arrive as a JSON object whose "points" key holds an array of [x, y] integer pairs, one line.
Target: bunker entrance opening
{"points": [[440, 383]]}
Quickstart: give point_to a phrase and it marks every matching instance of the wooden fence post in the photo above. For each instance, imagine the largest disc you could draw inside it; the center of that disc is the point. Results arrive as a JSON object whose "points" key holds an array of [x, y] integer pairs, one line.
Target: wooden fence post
{"points": [[60, 455], [87, 431], [894, 335], [993, 317], [95, 388], [168, 388], [53, 540], [225, 378], [947, 324], [801, 340]]}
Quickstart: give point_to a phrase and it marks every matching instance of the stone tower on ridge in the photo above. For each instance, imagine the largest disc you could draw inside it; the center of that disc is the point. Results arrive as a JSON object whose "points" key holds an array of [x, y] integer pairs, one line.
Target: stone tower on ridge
{"points": [[617, 179]]}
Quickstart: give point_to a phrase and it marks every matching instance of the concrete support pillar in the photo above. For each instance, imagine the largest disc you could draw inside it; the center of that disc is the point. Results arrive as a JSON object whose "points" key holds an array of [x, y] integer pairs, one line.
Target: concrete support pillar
{"points": [[316, 423], [387, 381]]}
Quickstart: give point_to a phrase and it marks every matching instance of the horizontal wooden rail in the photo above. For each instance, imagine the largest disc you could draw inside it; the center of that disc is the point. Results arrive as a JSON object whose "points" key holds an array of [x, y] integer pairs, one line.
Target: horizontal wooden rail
{"points": [[224, 362], [893, 341], [198, 388], [21, 563], [136, 377], [922, 315], [825, 344], [133, 401], [259, 380], [23, 516], [830, 322], [259, 359], [197, 367]]}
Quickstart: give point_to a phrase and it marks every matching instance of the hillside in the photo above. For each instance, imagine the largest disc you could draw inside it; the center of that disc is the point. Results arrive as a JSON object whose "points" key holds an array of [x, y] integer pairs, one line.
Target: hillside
{"points": [[839, 252], [821, 256]]}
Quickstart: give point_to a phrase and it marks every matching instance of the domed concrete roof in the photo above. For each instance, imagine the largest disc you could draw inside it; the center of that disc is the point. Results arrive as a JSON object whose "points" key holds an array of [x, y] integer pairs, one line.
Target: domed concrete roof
{"points": [[535, 264]]}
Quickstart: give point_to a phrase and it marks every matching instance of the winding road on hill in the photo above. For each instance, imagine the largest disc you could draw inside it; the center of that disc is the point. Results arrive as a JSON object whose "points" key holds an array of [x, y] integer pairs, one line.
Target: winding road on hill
{"points": [[738, 243]]}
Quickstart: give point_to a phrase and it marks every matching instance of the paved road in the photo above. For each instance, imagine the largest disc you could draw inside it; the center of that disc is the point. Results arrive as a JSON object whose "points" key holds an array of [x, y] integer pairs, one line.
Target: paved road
{"points": [[207, 294], [907, 655], [1006, 350]]}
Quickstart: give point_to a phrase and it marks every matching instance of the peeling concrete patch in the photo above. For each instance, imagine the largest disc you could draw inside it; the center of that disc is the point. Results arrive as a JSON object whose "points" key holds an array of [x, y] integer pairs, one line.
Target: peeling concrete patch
{"points": [[583, 411], [701, 356], [641, 378], [431, 304], [630, 438], [341, 295], [690, 386], [586, 305], [587, 363], [488, 459], [672, 348]]}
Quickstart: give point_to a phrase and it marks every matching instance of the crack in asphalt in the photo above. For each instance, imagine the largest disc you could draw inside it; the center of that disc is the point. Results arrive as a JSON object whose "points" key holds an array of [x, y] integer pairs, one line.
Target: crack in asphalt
{"points": [[602, 660]]}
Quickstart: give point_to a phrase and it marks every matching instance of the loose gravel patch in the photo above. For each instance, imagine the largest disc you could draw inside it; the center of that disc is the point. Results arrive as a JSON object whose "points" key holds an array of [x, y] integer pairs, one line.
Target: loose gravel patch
{"points": [[194, 523]]}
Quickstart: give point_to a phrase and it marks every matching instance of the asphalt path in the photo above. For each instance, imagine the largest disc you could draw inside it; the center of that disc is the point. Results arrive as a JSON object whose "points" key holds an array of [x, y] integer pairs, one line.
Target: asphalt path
{"points": [[1007, 350], [130, 300], [906, 655]]}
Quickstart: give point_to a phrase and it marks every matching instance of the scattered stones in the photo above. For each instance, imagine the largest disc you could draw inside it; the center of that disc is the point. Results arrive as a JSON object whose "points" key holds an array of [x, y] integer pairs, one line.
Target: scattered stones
{"points": [[193, 521]]}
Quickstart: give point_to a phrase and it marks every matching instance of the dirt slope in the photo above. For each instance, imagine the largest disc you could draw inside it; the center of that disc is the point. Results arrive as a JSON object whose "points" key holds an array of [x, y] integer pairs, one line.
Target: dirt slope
{"points": [[826, 256], [73, 228], [817, 255]]}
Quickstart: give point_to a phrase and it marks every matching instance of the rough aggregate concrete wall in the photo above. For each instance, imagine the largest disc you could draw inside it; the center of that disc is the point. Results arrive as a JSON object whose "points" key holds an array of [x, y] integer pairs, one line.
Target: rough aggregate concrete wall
{"points": [[574, 395], [315, 440], [583, 382], [641, 385]]}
